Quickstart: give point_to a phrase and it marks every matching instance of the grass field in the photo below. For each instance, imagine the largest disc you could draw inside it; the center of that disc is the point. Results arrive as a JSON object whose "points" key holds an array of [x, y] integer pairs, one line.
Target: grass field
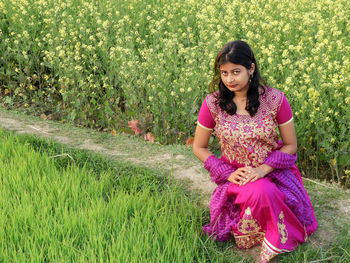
{"points": [[84, 207], [103, 63], [55, 211]]}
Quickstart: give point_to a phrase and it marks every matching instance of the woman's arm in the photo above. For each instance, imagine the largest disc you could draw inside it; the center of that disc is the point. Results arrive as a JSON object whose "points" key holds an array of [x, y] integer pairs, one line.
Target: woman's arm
{"points": [[200, 144], [289, 138]]}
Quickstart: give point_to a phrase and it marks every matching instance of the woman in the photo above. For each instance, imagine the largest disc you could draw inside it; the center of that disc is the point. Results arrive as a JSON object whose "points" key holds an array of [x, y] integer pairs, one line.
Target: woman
{"points": [[260, 197]]}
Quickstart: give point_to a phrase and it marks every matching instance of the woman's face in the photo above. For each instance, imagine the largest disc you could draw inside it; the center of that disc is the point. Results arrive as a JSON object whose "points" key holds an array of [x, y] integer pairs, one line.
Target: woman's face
{"points": [[236, 77]]}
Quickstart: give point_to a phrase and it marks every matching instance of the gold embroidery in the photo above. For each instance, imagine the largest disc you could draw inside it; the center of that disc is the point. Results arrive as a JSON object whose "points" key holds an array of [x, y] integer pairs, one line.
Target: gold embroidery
{"points": [[251, 230], [266, 253], [201, 125], [283, 233], [285, 123], [247, 143], [248, 241], [248, 224], [269, 251], [244, 139]]}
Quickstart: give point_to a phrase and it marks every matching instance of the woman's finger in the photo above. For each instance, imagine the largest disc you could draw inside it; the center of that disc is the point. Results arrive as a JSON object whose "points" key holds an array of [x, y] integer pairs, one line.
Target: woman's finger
{"points": [[249, 179], [236, 180], [245, 169], [239, 176], [243, 173], [254, 179]]}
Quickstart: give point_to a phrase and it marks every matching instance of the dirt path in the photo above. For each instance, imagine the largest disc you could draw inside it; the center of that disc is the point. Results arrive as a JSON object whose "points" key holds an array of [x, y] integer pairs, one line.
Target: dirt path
{"points": [[177, 160]]}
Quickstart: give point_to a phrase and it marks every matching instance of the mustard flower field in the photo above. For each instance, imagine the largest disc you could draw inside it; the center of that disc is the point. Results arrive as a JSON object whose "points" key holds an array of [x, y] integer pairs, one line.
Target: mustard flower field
{"points": [[105, 63]]}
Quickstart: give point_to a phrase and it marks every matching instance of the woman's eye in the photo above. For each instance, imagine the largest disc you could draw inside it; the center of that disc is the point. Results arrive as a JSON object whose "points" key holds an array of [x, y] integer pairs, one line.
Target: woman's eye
{"points": [[223, 73], [236, 72]]}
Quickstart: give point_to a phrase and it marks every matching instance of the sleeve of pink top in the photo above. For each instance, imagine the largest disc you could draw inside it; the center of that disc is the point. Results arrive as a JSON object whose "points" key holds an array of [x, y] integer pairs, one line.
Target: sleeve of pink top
{"points": [[284, 114], [204, 117]]}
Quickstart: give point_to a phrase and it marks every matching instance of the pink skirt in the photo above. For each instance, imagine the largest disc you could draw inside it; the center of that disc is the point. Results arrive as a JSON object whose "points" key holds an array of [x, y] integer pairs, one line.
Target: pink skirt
{"points": [[266, 220]]}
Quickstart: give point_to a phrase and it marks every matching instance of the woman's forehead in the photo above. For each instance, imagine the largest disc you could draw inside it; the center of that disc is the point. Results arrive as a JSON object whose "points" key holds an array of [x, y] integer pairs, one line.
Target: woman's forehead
{"points": [[230, 66]]}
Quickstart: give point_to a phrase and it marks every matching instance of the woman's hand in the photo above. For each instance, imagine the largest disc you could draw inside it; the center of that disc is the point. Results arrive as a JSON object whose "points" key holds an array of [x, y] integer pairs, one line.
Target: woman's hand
{"points": [[256, 173], [240, 175]]}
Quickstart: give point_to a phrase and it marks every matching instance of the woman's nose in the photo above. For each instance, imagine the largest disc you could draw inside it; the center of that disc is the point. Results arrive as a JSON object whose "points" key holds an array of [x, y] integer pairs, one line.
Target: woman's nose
{"points": [[231, 79]]}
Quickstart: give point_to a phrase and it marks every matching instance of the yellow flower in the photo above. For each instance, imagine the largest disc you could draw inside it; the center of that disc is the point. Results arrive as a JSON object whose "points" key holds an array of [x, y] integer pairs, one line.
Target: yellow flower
{"points": [[334, 161], [289, 81]]}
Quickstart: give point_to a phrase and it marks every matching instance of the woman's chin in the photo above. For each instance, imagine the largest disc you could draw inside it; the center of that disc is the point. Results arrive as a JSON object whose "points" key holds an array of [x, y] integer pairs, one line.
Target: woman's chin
{"points": [[233, 88]]}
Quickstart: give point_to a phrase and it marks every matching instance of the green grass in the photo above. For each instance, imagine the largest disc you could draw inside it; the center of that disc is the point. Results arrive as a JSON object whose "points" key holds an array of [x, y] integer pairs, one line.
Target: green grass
{"points": [[103, 63], [58, 212], [96, 209]]}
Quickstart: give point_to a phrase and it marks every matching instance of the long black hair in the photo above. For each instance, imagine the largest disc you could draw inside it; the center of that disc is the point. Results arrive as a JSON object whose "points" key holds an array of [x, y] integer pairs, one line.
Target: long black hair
{"points": [[237, 52]]}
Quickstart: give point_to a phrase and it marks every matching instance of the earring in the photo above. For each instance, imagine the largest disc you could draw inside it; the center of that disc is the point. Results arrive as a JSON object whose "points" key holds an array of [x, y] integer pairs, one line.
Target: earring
{"points": [[250, 78]]}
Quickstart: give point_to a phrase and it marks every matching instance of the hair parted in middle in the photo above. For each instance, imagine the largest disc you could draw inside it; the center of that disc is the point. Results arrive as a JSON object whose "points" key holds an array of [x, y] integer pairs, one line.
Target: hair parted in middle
{"points": [[237, 52]]}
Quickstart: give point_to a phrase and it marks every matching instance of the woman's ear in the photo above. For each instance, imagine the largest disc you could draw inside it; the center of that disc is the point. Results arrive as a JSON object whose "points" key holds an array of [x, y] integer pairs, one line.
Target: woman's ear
{"points": [[252, 69]]}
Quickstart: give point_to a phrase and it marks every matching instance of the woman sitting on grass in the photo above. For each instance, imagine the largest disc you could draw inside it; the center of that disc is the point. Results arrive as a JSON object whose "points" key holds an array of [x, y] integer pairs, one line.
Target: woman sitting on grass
{"points": [[260, 197]]}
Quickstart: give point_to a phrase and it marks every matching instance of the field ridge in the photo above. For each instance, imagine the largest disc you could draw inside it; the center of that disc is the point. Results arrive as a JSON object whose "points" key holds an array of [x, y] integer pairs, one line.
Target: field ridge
{"points": [[178, 160]]}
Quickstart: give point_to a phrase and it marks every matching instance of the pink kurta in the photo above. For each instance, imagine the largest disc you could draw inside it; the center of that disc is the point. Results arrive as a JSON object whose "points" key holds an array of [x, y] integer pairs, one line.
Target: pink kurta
{"points": [[274, 211]]}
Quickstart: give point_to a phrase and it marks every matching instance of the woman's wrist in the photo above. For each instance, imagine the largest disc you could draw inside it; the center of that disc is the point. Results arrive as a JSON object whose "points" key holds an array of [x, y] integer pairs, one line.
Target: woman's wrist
{"points": [[266, 168]]}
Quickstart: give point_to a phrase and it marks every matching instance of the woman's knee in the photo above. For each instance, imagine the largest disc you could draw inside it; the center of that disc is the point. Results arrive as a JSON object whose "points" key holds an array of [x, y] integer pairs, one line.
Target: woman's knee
{"points": [[262, 189]]}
